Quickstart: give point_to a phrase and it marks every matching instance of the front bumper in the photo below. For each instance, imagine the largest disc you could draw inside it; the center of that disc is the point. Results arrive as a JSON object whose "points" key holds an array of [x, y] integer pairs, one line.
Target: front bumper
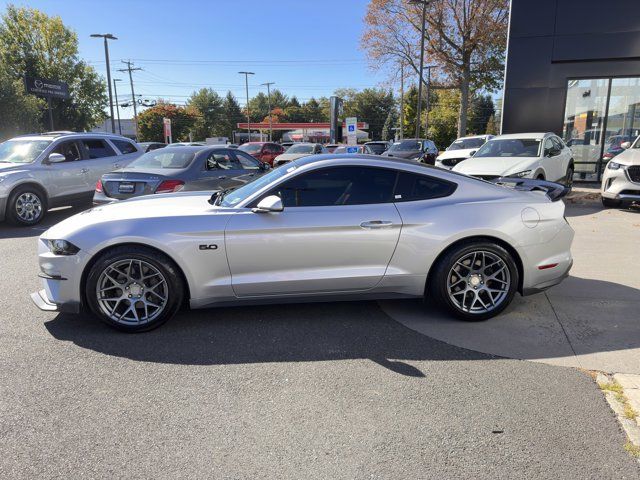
{"points": [[43, 303], [3, 207], [616, 185]]}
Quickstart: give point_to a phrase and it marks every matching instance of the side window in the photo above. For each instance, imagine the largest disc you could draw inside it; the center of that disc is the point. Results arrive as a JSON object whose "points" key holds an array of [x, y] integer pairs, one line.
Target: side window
{"points": [[337, 186], [247, 161], [69, 150], [557, 142], [124, 146], [222, 159], [97, 148], [412, 187], [548, 146]]}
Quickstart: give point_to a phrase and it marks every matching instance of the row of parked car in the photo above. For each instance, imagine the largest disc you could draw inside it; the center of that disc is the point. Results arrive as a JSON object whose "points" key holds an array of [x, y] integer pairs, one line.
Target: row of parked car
{"points": [[40, 172]]}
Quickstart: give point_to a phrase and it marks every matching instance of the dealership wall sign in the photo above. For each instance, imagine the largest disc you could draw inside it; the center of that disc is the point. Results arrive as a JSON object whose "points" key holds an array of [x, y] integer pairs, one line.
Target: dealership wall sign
{"points": [[46, 88], [49, 89]]}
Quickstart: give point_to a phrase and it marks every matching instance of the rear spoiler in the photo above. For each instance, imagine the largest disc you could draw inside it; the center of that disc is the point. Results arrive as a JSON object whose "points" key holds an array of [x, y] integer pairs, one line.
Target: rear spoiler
{"points": [[554, 191]]}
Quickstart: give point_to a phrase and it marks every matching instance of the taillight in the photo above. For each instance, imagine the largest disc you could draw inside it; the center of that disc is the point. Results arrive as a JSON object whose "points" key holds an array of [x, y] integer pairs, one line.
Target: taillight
{"points": [[99, 186], [169, 186]]}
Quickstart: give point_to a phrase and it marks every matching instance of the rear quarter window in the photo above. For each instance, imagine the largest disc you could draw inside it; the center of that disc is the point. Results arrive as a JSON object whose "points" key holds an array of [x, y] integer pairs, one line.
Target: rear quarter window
{"points": [[412, 187], [124, 146]]}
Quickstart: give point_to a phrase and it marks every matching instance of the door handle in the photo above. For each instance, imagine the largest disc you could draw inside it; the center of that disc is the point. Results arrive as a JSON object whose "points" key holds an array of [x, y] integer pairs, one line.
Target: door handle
{"points": [[222, 177], [376, 224], [84, 170], [116, 165]]}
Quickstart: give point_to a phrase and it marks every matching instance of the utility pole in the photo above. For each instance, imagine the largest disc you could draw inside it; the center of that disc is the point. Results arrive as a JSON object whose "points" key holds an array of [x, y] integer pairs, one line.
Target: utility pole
{"points": [[115, 91], [246, 84], [268, 84], [130, 69], [108, 36], [401, 99], [424, 4], [426, 117]]}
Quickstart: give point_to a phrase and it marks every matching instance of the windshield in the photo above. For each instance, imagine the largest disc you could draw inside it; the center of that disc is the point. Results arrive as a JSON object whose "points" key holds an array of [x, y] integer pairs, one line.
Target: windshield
{"points": [[22, 151], [377, 148], [466, 143], [163, 159], [511, 147], [406, 146], [234, 197], [300, 149], [251, 147]]}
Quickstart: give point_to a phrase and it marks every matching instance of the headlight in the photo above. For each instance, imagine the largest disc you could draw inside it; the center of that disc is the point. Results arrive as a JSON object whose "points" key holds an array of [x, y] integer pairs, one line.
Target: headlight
{"points": [[62, 247], [521, 174], [616, 166]]}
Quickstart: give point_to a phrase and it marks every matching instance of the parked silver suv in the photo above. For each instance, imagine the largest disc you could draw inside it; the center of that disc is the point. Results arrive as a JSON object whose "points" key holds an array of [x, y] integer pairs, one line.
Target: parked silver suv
{"points": [[43, 171]]}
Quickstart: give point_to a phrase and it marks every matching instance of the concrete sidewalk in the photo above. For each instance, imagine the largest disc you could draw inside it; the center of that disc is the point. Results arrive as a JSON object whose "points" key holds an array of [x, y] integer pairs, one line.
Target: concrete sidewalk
{"points": [[590, 321]]}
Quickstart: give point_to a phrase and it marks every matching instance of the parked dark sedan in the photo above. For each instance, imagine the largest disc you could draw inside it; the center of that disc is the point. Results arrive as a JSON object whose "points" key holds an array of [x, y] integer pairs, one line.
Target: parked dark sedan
{"points": [[420, 150], [175, 169]]}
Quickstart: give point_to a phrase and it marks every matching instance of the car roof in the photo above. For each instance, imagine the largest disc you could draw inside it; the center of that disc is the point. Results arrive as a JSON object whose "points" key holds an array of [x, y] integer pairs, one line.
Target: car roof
{"points": [[534, 135], [55, 135], [473, 136]]}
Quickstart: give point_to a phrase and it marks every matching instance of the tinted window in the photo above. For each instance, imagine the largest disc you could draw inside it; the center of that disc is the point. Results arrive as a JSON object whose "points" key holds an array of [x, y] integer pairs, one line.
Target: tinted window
{"points": [[510, 147], [337, 186], [98, 148], [222, 159], [163, 159], [412, 187], [406, 146], [466, 143], [124, 146], [69, 150], [376, 148], [247, 161]]}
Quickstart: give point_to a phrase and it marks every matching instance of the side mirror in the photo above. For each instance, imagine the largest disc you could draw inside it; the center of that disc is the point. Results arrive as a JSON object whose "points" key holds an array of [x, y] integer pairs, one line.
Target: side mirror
{"points": [[264, 166], [472, 153], [625, 145], [272, 203], [56, 158]]}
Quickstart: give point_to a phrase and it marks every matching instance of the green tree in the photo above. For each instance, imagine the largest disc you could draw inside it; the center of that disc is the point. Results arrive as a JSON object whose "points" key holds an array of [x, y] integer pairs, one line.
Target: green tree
{"points": [[443, 117], [20, 112], [492, 126], [388, 132], [34, 44], [207, 105], [293, 111], [410, 104], [313, 112], [150, 126], [232, 115], [278, 99], [259, 107], [482, 109]]}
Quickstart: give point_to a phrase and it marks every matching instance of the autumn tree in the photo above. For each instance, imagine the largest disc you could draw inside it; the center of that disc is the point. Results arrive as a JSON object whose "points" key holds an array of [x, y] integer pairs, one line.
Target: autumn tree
{"points": [[465, 39], [150, 126]]}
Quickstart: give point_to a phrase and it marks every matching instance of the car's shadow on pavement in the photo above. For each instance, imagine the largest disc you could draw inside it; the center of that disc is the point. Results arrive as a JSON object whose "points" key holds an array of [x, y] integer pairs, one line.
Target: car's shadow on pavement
{"points": [[257, 334], [8, 230]]}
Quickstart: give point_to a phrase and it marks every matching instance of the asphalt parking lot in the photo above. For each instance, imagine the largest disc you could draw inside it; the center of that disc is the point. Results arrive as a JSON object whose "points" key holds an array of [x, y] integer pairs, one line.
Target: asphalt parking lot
{"points": [[297, 391]]}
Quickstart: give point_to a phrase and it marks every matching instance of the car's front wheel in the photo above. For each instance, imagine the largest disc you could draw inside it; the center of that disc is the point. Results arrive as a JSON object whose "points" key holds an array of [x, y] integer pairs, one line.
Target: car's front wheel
{"points": [[134, 289], [26, 206], [475, 280]]}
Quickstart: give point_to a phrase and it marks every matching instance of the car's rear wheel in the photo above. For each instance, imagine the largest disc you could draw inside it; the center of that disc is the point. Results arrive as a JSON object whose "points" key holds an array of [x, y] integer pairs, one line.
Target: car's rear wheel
{"points": [[134, 289], [26, 206], [610, 203], [475, 280], [569, 177]]}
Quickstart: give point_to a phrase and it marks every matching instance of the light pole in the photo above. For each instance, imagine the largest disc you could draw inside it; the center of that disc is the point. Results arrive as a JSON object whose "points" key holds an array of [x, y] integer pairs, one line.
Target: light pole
{"points": [[268, 84], [108, 36], [424, 4], [115, 91], [246, 84]]}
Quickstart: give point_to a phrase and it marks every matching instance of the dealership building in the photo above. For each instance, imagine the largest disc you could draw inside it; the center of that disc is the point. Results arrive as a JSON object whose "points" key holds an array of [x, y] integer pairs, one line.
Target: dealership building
{"points": [[573, 68]]}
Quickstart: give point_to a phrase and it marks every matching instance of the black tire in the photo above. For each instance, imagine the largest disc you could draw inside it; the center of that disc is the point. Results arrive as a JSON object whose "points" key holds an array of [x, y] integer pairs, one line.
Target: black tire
{"points": [[438, 279], [540, 177], [610, 203], [14, 217], [170, 273], [568, 182]]}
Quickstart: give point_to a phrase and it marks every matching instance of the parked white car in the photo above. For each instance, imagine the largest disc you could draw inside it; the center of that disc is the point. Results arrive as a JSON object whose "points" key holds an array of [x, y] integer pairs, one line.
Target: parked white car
{"points": [[461, 149], [299, 150], [621, 178], [55, 169], [542, 156]]}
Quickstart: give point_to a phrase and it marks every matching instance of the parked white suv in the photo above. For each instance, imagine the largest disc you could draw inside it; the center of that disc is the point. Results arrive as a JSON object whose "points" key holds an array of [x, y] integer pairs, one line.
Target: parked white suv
{"points": [[621, 178], [55, 169], [461, 149], [541, 156]]}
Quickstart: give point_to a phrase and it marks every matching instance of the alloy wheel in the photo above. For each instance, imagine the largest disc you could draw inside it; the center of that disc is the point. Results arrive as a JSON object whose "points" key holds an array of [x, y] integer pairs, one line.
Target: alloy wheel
{"points": [[132, 292], [478, 282], [28, 207]]}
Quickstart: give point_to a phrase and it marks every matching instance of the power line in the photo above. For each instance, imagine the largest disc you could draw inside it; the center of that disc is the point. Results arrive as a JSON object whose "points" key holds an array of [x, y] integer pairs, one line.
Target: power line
{"points": [[131, 69]]}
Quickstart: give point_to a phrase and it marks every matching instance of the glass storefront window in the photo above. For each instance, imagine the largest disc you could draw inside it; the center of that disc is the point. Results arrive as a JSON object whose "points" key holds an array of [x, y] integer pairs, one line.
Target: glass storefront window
{"points": [[600, 115], [584, 123]]}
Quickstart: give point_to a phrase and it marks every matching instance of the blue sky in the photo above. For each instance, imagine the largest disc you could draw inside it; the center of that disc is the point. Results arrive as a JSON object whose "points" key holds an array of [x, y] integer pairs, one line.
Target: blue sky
{"points": [[308, 48]]}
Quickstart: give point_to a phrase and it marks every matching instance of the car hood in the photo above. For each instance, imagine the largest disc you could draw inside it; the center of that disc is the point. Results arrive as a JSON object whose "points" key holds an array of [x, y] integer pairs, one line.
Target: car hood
{"points": [[8, 167], [630, 156], [171, 212], [403, 154], [292, 156], [461, 153], [497, 166]]}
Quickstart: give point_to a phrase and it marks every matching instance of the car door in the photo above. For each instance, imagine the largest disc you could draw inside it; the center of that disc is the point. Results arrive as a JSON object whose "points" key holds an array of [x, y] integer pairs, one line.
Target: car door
{"points": [[68, 178], [552, 161], [127, 150], [564, 157], [216, 171], [100, 158], [250, 167], [337, 233]]}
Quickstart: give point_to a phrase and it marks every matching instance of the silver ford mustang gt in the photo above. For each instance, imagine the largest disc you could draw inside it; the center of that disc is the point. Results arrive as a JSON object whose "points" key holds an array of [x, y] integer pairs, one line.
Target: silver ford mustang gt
{"points": [[322, 227]]}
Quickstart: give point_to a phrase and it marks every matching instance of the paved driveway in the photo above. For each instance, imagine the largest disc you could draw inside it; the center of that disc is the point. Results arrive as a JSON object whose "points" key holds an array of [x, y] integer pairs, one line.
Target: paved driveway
{"points": [[298, 391]]}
